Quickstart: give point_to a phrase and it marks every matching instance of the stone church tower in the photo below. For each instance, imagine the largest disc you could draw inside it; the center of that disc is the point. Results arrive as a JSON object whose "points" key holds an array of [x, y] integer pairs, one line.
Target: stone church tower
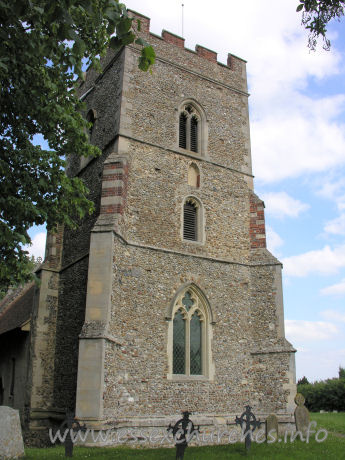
{"points": [[166, 298]]}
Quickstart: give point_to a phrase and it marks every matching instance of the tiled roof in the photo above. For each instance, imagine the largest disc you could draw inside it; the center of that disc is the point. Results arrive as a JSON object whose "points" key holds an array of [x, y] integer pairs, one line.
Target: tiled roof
{"points": [[16, 311]]}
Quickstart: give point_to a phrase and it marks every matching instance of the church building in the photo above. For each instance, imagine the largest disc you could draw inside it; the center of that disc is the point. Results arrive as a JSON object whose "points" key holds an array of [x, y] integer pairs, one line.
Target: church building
{"points": [[166, 298]]}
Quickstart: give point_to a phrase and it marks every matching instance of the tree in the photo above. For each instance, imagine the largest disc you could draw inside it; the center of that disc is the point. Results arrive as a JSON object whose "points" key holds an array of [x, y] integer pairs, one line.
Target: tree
{"points": [[303, 381], [316, 15], [43, 46]]}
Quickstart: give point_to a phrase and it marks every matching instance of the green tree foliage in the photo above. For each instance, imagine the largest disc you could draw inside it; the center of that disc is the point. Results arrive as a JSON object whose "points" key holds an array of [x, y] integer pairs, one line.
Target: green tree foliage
{"points": [[316, 15], [325, 395], [303, 381], [43, 45], [341, 372]]}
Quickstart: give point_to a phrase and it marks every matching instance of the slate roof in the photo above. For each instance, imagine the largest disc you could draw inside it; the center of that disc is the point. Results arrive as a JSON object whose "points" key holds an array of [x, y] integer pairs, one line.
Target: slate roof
{"points": [[16, 309]]}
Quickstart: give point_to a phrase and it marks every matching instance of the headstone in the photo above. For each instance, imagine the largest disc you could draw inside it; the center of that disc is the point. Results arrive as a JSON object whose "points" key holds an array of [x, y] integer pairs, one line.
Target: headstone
{"points": [[11, 439], [272, 427], [302, 417]]}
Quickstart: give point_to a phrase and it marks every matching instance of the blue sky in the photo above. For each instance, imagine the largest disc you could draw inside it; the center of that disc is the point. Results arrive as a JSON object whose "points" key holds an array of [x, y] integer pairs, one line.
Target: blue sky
{"points": [[297, 112]]}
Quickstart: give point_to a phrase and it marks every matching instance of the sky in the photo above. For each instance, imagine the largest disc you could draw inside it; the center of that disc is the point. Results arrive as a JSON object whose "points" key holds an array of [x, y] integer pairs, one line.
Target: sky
{"points": [[297, 115]]}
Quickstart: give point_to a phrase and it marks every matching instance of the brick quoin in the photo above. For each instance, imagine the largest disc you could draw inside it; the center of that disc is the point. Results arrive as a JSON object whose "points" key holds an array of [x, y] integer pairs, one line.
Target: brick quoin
{"points": [[120, 191], [112, 191], [112, 209], [255, 228], [117, 165], [117, 176]]}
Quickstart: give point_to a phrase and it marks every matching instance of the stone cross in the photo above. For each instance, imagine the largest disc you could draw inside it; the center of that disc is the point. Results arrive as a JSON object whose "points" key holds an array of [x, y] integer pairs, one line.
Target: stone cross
{"points": [[248, 423], [302, 417], [182, 429], [69, 423]]}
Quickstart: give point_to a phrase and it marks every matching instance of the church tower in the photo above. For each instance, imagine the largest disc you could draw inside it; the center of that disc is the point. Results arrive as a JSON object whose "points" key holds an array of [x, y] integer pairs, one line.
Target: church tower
{"points": [[183, 302]]}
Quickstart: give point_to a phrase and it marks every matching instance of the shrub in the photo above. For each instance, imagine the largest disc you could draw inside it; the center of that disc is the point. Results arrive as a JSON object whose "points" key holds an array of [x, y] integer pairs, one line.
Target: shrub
{"points": [[326, 395]]}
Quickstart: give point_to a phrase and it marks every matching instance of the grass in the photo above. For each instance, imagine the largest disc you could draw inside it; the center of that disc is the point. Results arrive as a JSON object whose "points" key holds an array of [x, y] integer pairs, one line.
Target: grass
{"points": [[332, 422], [333, 448]]}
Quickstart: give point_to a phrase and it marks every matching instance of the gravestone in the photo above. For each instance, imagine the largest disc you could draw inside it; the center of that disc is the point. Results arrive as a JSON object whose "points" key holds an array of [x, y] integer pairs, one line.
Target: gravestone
{"points": [[272, 427], [302, 417], [11, 439]]}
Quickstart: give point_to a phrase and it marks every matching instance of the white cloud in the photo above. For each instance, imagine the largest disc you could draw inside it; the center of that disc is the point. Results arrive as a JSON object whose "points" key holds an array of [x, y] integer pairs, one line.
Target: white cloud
{"points": [[298, 139], [273, 239], [324, 261], [336, 226], [37, 248], [335, 289], [281, 204], [333, 315], [299, 331], [333, 188]]}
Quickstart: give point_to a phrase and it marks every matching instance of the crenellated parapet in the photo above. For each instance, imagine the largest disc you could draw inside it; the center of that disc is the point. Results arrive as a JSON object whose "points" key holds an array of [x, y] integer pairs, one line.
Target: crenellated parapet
{"points": [[233, 62]]}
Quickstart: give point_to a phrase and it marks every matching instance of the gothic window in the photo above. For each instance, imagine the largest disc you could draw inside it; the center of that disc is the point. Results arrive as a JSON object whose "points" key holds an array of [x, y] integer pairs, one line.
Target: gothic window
{"points": [[190, 346], [194, 133], [190, 230], [195, 344], [192, 220], [191, 129], [187, 340], [179, 351], [183, 131]]}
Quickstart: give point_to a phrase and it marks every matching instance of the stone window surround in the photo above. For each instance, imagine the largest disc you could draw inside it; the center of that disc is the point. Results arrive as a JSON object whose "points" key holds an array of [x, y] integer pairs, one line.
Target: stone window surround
{"points": [[200, 218], [202, 304], [202, 128]]}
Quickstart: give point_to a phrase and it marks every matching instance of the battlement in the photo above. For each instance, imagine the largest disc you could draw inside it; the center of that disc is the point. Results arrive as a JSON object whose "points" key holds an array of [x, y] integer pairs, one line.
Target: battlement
{"points": [[178, 41]]}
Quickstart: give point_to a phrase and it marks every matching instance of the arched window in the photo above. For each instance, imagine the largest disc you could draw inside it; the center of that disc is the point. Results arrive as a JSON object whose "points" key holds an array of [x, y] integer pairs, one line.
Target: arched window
{"points": [[179, 343], [190, 352], [183, 131], [192, 220], [194, 134], [192, 128]]}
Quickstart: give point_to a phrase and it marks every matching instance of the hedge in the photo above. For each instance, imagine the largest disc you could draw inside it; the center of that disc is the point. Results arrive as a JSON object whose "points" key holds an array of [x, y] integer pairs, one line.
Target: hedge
{"points": [[326, 395]]}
